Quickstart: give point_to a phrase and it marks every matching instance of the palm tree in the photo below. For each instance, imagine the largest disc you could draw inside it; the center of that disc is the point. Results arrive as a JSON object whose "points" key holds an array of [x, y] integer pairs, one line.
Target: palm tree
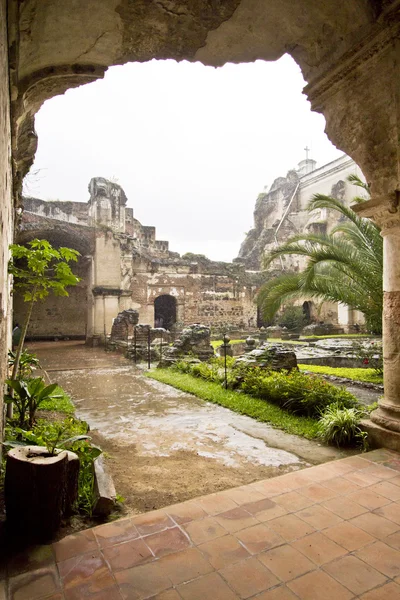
{"points": [[345, 265]]}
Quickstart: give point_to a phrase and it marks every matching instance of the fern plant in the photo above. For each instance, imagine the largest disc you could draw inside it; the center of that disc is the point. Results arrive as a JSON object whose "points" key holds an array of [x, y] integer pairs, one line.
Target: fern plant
{"points": [[341, 426]]}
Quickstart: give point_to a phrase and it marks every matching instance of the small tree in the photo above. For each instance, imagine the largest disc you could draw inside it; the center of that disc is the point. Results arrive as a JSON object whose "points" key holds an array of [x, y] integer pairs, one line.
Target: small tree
{"points": [[39, 269]]}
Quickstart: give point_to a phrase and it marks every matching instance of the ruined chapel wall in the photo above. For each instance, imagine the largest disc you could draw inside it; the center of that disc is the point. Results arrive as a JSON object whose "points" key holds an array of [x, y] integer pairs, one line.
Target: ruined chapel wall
{"points": [[72, 212], [6, 213], [212, 300]]}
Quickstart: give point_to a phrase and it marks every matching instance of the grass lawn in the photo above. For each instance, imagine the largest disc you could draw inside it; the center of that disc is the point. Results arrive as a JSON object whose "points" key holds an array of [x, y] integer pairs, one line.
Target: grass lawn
{"points": [[368, 375], [63, 404], [261, 410]]}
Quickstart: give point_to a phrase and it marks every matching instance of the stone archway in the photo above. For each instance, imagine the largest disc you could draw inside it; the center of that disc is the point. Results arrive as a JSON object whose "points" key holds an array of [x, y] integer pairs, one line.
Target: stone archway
{"points": [[165, 311], [59, 316], [350, 58], [307, 311]]}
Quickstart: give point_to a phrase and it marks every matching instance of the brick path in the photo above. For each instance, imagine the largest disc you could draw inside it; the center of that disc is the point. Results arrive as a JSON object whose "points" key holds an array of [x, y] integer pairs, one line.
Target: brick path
{"points": [[330, 532]]}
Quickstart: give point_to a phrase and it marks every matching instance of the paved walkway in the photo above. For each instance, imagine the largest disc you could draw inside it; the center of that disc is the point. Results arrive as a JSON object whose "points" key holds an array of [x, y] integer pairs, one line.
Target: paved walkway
{"points": [[165, 446], [330, 532]]}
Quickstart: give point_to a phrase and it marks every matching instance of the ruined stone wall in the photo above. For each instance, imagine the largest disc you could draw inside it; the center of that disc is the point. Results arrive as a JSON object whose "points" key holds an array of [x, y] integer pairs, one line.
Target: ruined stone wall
{"points": [[59, 317], [211, 299], [72, 212], [282, 212], [6, 214]]}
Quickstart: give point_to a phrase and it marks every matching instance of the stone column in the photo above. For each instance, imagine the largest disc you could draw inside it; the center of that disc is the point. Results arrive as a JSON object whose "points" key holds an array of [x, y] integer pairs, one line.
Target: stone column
{"points": [[388, 413], [387, 216]]}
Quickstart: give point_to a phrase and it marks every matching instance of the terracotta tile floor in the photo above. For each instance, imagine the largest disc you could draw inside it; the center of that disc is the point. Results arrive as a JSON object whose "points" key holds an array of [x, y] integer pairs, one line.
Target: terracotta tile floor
{"points": [[330, 532]]}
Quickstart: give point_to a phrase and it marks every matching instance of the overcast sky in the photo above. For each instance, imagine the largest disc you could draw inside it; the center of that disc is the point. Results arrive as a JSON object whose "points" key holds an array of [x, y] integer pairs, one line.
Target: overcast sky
{"points": [[192, 146]]}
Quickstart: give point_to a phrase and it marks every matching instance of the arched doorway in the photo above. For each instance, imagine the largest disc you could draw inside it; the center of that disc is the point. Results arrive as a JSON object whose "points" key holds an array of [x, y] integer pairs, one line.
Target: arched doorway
{"points": [[307, 312], [165, 311]]}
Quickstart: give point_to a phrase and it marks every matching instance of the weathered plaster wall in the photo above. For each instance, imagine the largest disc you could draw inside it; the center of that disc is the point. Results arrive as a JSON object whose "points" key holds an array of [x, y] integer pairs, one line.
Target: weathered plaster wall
{"points": [[6, 211], [282, 210], [59, 316]]}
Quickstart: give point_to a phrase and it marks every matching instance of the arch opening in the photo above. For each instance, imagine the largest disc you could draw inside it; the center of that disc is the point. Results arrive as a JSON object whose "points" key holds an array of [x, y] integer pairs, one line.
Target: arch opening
{"points": [[165, 310], [307, 312]]}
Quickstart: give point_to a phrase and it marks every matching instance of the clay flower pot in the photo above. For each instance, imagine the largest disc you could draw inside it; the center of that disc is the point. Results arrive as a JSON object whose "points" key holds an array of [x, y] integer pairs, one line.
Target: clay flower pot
{"points": [[40, 489]]}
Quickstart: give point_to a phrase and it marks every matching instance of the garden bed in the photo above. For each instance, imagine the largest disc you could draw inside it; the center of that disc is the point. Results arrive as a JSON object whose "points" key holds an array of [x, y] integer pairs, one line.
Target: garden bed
{"points": [[295, 402]]}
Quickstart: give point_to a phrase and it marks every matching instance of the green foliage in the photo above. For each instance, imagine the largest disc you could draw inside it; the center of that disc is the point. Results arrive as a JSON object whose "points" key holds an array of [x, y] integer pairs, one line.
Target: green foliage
{"points": [[241, 403], [27, 397], [367, 375], [28, 362], [295, 392], [45, 433], [87, 454], [292, 318], [213, 370], [341, 426], [60, 402], [345, 266], [39, 269]]}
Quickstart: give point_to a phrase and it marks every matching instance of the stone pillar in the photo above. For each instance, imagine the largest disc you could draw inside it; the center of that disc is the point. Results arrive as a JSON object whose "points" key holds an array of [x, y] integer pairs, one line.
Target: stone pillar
{"points": [[387, 416], [388, 413]]}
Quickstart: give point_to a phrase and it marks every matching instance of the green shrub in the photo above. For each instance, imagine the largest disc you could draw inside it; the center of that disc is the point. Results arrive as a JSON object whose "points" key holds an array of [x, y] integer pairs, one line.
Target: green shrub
{"points": [[298, 393], [341, 426], [292, 318], [295, 392]]}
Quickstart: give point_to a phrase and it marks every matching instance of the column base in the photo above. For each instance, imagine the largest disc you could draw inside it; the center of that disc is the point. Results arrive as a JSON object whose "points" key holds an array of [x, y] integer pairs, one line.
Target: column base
{"points": [[380, 437], [387, 416]]}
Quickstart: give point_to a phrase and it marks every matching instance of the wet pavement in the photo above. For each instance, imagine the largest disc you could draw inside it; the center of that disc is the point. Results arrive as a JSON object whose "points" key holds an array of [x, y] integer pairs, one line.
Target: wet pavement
{"points": [[140, 420]]}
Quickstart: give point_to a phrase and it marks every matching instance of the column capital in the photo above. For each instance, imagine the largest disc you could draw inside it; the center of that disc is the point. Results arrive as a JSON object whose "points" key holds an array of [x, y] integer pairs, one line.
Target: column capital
{"points": [[384, 211]]}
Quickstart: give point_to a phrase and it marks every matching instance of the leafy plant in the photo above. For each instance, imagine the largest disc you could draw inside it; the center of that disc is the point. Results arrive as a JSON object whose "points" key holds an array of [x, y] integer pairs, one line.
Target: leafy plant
{"points": [[296, 392], [27, 397], [39, 269], [87, 454], [28, 362], [292, 317], [341, 426]]}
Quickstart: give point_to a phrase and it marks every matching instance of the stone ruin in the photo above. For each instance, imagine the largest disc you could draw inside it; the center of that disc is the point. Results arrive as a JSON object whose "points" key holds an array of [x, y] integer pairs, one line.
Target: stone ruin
{"points": [[193, 341], [272, 356], [322, 329], [124, 322]]}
